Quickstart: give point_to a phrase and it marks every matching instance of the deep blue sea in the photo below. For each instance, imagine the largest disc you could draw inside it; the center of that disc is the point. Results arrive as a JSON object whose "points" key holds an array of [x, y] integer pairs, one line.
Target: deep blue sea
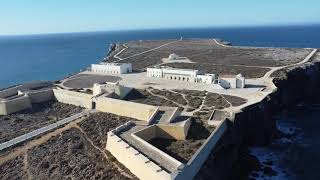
{"points": [[51, 57]]}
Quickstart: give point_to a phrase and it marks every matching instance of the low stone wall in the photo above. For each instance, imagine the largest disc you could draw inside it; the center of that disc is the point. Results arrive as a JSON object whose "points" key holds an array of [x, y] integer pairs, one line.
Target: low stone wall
{"points": [[15, 105], [195, 163], [10, 91], [132, 159], [177, 132], [74, 98], [125, 108], [40, 96]]}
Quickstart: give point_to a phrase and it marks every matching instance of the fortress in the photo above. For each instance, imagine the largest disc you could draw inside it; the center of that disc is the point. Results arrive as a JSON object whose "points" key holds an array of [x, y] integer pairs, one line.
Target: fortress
{"points": [[168, 117]]}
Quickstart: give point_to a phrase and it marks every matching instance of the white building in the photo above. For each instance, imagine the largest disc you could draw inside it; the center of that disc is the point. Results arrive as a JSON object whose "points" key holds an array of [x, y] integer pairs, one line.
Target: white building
{"points": [[187, 75], [112, 68], [173, 57], [206, 78], [232, 81]]}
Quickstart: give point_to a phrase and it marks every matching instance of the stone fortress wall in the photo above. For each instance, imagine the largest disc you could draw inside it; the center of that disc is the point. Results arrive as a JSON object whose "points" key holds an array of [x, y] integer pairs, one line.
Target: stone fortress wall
{"points": [[193, 166], [132, 159], [74, 98], [19, 103], [138, 111], [21, 97]]}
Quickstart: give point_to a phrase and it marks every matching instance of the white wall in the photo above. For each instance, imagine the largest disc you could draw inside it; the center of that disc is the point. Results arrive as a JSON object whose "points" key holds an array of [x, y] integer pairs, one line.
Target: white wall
{"points": [[111, 68]]}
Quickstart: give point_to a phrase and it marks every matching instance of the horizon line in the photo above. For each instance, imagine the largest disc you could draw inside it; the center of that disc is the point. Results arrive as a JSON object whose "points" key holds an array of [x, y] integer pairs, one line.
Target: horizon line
{"points": [[165, 28]]}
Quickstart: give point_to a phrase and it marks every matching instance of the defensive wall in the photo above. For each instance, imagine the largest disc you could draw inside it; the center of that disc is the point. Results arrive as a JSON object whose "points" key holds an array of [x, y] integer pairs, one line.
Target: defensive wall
{"points": [[14, 90], [20, 102], [144, 168], [193, 166], [74, 98], [125, 108], [165, 131], [136, 162], [39, 96]]}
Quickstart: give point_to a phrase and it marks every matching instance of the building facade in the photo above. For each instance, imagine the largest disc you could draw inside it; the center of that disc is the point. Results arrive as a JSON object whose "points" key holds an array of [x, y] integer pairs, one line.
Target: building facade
{"points": [[185, 75], [112, 68]]}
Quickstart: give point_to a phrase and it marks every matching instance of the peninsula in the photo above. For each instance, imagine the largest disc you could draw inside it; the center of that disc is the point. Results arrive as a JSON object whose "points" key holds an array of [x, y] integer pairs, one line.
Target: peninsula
{"points": [[158, 109]]}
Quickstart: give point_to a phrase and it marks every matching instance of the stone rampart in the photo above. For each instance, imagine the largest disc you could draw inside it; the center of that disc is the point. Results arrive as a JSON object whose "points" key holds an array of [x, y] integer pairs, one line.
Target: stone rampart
{"points": [[132, 159], [74, 98], [40, 95], [198, 159], [14, 105], [125, 108]]}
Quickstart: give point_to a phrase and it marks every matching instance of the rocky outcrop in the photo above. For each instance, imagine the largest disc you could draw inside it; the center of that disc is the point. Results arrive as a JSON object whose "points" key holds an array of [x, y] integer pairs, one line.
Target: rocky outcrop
{"points": [[256, 125]]}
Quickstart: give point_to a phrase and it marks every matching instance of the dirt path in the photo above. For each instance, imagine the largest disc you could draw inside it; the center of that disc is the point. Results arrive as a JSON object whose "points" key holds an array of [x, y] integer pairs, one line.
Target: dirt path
{"points": [[148, 50], [163, 97], [305, 60], [102, 152], [26, 166], [117, 55]]}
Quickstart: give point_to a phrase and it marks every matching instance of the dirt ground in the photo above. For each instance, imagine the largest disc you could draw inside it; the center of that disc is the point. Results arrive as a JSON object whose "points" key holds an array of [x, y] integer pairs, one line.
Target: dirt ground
{"points": [[13, 169], [98, 125], [207, 52], [144, 97], [170, 95], [184, 150], [40, 115], [216, 100], [235, 101], [136, 47], [69, 156]]}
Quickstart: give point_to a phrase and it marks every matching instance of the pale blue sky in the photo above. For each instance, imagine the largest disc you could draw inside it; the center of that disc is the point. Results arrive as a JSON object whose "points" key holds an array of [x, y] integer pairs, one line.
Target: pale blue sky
{"points": [[56, 16]]}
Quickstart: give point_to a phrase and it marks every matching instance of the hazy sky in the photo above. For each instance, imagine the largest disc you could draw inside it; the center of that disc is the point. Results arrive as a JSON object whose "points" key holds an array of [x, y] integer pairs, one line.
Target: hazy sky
{"points": [[50, 16]]}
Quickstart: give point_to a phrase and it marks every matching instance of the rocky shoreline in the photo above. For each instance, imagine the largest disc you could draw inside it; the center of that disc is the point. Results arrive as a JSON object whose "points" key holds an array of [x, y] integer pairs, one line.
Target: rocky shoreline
{"points": [[256, 125]]}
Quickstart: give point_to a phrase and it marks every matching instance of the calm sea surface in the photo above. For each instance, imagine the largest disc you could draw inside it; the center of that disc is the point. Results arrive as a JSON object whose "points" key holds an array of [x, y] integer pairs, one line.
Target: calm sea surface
{"points": [[51, 57]]}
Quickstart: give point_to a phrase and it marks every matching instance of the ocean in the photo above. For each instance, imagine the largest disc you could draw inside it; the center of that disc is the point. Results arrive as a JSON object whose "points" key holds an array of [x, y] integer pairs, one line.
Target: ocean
{"points": [[54, 56]]}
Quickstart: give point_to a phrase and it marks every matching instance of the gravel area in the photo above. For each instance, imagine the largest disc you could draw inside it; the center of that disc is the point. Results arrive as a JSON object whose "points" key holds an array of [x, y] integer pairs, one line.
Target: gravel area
{"points": [[98, 125], [70, 156], [40, 115], [87, 80]]}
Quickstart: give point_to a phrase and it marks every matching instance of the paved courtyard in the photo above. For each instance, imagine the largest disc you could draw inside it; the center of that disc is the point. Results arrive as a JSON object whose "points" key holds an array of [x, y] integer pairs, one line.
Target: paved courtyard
{"points": [[87, 80]]}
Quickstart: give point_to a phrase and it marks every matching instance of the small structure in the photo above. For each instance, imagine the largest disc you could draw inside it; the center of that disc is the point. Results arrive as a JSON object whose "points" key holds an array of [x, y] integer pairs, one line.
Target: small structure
{"points": [[206, 78], [186, 75], [173, 57], [112, 68], [232, 81], [113, 89]]}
